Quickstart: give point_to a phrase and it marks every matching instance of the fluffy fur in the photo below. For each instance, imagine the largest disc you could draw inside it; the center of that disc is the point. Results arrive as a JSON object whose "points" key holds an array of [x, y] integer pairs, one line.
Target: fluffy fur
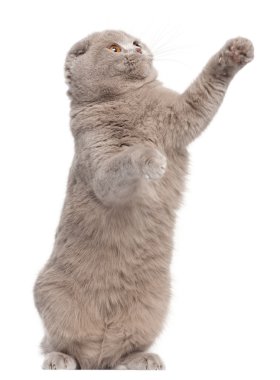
{"points": [[104, 293]]}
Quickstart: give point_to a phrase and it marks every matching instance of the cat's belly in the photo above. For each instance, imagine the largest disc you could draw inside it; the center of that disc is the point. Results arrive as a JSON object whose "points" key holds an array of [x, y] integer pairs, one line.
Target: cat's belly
{"points": [[97, 324], [115, 264], [130, 326], [136, 332], [112, 273]]}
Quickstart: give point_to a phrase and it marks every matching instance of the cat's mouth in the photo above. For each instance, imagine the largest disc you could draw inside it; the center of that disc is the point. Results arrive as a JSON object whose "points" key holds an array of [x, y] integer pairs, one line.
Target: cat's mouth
{"points": [[133, 59], [137, 65]]}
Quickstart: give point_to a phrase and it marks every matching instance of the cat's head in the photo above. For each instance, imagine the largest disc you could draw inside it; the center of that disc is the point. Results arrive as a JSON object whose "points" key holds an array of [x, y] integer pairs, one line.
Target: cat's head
{"points": [[106, 64]]}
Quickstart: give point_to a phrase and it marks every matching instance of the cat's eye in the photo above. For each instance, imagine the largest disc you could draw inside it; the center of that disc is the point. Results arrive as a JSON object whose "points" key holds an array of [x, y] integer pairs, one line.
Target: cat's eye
{"points": [[136, 43], [115, 48]]}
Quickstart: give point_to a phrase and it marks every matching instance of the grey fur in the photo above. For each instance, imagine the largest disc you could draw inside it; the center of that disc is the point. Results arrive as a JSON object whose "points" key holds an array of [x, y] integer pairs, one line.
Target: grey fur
{"points": [[104, 293]]}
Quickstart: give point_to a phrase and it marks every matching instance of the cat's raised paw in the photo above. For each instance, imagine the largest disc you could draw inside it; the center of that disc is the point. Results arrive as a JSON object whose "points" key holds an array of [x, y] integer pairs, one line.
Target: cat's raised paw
{"points": [[58, 360], [238, 51]]}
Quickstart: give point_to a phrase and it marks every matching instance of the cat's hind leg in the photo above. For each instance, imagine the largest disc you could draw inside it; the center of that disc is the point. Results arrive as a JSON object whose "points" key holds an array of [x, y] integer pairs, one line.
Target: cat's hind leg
{"points": [[58, 360], [141, 361]]}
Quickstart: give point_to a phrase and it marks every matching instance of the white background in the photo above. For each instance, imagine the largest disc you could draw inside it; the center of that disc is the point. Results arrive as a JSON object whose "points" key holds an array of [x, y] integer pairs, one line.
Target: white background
{"points": [[225, 315]]}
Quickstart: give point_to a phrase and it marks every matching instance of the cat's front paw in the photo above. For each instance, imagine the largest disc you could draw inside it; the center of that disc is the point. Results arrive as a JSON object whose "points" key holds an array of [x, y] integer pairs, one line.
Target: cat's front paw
{"points": [[236, 53], [152, 164]]}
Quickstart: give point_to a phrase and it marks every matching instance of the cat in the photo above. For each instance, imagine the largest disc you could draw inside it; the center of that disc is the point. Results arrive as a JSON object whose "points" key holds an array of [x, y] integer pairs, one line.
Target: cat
{"points": [[104, 293]]}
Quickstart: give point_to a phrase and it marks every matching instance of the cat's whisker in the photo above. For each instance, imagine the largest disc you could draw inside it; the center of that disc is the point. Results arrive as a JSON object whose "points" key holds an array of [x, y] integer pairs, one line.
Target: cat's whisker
{"points": [[163, 45], [167, 37], [158, 36], [173, 60], [161, 35], [184, 52], [175, 48], [170, 53], [162, 42]]}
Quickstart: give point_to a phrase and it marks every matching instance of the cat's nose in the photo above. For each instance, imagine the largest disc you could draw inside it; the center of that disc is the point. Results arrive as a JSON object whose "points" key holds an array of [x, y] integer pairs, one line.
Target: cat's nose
{"points": [[138, 50]]}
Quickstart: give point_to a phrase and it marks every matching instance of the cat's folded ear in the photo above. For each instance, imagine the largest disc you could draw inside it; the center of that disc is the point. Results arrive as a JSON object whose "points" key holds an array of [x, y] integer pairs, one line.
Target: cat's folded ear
{"points": [[76, 50], [79, 48]]}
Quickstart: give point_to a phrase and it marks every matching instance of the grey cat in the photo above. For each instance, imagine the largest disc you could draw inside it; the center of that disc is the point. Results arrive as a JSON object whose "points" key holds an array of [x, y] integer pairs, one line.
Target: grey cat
{"points": [[104, 293]]}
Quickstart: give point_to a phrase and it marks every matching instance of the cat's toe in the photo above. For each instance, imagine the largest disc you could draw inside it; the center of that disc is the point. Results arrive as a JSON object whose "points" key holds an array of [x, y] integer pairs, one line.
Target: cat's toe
{"points": [[153, 362], [155, 166]]}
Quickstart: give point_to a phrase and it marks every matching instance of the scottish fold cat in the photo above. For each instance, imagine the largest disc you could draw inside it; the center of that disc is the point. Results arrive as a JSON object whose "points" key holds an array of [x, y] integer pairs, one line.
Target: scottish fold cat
{"points": [[103, 294]]}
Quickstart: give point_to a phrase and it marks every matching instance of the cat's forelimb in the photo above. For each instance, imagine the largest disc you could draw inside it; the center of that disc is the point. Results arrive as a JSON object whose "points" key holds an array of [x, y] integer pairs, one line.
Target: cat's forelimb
{"points": [[196, 107]]}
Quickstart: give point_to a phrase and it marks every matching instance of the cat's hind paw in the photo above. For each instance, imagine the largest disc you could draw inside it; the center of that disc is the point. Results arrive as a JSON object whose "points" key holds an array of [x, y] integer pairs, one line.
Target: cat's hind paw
{"points": [[58, 360], [141, 361]]}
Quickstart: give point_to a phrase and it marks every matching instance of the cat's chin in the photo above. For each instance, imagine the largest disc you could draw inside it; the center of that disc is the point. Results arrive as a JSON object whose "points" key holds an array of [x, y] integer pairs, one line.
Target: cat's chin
{"points": [[138, 71], [135, 66]]}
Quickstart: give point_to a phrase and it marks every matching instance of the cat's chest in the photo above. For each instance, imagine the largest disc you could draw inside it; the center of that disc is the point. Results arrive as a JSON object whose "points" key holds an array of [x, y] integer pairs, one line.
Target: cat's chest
{"points": [[128, 124]]}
